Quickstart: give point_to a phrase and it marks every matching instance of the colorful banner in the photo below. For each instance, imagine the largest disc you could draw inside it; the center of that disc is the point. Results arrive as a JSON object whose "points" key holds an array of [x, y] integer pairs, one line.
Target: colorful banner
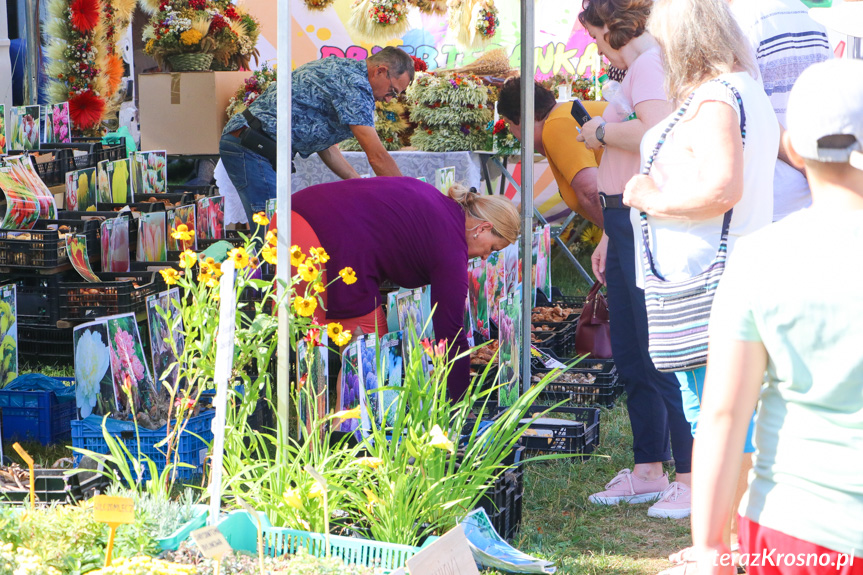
{"points": [[562, 45]]}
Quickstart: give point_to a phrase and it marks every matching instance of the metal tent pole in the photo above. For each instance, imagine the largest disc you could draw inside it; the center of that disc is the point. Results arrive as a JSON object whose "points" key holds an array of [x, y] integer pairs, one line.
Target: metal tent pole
{"points": [[527, 125], [31, 65], [283, 208]]}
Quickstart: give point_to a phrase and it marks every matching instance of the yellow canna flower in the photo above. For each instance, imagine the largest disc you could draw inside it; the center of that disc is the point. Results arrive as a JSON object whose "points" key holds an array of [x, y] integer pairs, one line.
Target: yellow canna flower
{"points": [[308, 272], [240, 257], [319, 255], [292, 498], [316, 491], [348, 275], [261, 219], [343, 338], [269, 254], [305, 306], [439, 439], [181, 232], [170, 275], [188, 259], [370, 462]]}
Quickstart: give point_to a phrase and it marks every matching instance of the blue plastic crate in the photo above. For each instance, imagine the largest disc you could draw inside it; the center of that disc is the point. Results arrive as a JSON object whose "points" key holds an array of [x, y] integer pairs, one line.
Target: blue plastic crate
{"points": [[37, 415], [191, 446]]}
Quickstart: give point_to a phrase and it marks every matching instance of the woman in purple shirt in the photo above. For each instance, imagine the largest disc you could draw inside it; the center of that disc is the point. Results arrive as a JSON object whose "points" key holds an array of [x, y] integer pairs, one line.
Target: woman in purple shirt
{"points": [[405, 231]]}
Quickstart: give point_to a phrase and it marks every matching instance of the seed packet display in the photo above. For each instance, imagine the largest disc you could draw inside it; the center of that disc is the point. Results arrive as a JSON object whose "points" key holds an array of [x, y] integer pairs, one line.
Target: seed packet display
{"points": [[182, 215], [22, 169], [120, 181], [3, 142], [60, 122], [76, 249], [211, 218], [166, 322], [393, 320], [8, 334], [444, 179], [543, 262], [509, 359], [476, 292], [48, 126], [81, 190], [94, 379], [115, 244], [152, 237], [24, 122], [350, 391], [22, 205], [151, 172], [371, 410], [271, 209], [512, 267], [103, 185], [535, 253], [468, 322], [494, 284], [313, 380], [129, 364], [390, 375]]}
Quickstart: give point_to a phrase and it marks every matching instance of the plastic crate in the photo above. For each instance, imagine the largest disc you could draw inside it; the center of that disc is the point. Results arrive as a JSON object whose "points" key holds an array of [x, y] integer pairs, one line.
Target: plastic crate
{"points": [[134, 206], [38, 299], [42, 247], [198, 520], [36, 415], [503, 501], [191, 447], [53, 485], [115, 295], [45, 345], [579, 434], [602, 392], [240, 529]]}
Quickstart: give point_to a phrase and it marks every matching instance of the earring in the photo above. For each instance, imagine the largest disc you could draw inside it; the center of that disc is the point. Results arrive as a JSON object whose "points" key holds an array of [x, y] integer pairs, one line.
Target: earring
{"points": [[475, 236]]}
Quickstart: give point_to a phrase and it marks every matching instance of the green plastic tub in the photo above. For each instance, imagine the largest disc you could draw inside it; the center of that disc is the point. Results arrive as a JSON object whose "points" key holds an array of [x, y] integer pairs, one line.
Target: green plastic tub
{"points": [[241, 531], [198, 520]]}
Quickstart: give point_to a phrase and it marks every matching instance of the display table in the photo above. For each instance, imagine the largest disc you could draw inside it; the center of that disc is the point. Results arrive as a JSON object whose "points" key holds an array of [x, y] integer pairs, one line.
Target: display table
{"points": [[312, 171], [413, 163]]}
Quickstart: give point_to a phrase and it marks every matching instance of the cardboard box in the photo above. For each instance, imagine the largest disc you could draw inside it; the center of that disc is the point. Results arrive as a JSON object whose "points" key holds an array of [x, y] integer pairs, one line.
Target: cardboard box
{"points": [[184, 113]]}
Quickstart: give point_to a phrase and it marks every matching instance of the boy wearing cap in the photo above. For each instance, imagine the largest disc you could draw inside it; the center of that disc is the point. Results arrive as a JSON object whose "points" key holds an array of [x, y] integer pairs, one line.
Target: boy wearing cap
{"points": [[791, 303]]}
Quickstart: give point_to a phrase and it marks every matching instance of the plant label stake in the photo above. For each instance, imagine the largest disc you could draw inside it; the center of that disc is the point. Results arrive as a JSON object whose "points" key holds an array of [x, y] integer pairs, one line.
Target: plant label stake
{"points": [[29, 461], [323, 483], [449, 555], [114, 511], [222, 372], [250, 510], [212, 544]]}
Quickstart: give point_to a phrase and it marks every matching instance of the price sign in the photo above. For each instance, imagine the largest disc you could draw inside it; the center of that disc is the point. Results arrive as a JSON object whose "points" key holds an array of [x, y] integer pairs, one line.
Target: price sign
{"points": [[113, 510], [211, 542], [449, 555]]}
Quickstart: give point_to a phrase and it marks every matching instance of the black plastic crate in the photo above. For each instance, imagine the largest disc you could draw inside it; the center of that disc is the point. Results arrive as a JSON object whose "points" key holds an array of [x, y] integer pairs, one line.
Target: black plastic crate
{"points": [[116, 294], [557, 298], [574, 385], [194, 189], [568, 430], [175, 199], [544, 339], [53, 485], [45, 345], [42, 247], [134, 206], [38, 299], [503, 500]]}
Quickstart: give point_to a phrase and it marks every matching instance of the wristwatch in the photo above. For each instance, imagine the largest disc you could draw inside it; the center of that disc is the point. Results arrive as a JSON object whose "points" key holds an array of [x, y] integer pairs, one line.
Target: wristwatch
{"points": [[600, 133]]}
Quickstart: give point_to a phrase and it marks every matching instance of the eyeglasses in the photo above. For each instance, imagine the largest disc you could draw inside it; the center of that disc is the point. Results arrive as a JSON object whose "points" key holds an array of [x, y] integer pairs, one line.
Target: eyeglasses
{"points": [[393, 93]]}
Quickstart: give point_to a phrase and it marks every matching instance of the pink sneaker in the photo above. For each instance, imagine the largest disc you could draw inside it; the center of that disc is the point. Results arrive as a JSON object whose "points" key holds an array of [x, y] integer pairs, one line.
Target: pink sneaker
{"points": [[626, 486], [674, 503]]}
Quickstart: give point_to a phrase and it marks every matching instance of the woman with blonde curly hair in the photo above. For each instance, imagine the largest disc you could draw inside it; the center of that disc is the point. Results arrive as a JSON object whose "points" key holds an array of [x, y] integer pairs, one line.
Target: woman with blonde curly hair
{"points": [[707, 169], [404, 231]]}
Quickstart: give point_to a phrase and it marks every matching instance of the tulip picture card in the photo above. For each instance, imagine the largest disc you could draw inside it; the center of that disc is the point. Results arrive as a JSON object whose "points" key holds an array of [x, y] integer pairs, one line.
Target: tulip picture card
{"points": [[94, 379], [2, 129], [60, 122], [120, 181], [103, 185], [151, 172], [211, 218], [24, 124], [8, 334], [115, 244], [166, 335], [76, 250], [152, 237], [181, 229], [81, 190], [22, 168], [444, 179], [22, 205]]}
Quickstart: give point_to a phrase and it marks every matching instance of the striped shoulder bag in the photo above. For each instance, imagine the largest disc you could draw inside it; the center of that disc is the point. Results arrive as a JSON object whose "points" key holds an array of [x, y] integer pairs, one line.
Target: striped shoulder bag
{"points": [[678, 312]]}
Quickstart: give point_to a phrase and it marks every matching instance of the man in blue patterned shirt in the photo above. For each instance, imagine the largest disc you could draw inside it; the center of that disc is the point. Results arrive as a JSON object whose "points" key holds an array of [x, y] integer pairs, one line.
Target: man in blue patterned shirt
{"points": [[332, 100]]}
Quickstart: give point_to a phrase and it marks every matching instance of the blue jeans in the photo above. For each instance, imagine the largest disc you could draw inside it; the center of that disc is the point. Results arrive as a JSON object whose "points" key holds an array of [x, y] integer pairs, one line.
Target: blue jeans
{"points": [[691, 388], [653, 397], [252, 175]]}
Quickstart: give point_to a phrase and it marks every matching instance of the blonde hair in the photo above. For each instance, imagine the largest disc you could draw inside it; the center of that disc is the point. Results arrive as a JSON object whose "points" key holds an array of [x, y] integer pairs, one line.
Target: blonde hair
{"points": [[700, 39], [496, 210]]}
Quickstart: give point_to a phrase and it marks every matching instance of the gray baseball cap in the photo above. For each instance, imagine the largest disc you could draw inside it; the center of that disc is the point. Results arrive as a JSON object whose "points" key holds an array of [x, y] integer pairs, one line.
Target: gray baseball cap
{"points": [[827, 100]]}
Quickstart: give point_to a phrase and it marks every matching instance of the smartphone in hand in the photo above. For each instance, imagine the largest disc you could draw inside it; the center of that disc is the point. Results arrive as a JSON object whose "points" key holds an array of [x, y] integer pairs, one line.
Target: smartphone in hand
{"points": [[579, 113]]}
